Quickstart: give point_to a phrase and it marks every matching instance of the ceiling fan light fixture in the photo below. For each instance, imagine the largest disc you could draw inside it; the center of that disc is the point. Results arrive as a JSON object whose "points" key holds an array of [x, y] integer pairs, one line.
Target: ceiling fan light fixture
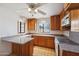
{"points": [[36, 10], [29, 9]]}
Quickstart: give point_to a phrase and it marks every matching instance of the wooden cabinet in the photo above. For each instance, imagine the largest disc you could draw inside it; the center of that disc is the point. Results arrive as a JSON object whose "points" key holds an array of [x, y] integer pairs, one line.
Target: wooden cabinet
{"points": [[44, 41], [68, 53], [36, 40], [71, 6], [61, 17], [65, 20], [22, 49], [55, 22], [74, 15], [66, 6], [31, 24], [50, 42], [75, 20]]}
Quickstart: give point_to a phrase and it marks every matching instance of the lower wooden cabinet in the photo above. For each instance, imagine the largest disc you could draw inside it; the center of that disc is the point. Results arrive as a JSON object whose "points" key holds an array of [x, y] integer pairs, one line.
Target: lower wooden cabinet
{"points": [[50, 42], [22, 49], [36, 40], [44, 41], [68, 53]]}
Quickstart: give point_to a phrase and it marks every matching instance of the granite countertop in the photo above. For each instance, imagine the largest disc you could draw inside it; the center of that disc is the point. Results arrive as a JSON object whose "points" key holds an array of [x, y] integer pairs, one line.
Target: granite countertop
{"points": [[66, 44], [65, 40], [46, 34], [22, 39]]}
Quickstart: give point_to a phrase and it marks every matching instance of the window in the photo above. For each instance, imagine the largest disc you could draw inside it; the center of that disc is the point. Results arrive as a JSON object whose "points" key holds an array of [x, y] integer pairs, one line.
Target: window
{"points": [[21, 27], [44, 26]]}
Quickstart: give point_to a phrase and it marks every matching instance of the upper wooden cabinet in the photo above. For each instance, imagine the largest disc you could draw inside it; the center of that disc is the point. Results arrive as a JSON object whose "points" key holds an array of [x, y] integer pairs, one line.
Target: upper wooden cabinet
{"points": [[31, 24], [75, 20], [71, 6], [55, 22], [61, 17], [66, 6]]}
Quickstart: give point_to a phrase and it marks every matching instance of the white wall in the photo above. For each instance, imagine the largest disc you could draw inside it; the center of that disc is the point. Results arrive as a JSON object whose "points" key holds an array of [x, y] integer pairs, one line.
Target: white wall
{"points": [[8, 27]]}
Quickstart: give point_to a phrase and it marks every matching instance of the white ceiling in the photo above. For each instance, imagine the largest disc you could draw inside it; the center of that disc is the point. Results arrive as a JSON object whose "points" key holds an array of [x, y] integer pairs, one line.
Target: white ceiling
{"points": [[49, 8]]}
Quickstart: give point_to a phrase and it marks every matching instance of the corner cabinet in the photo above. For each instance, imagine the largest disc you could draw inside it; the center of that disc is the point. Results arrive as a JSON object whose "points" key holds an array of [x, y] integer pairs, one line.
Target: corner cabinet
{"points": [[55, 22], [75, 20]]}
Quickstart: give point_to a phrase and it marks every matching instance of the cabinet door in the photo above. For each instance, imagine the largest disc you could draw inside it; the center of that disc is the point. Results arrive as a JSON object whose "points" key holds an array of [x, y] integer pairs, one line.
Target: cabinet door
{"points": [[42, 41], [75, 20], [25, 49], [22, 49], [30, 48], [16, 49], [31, 24], [35, 40], [52, 23], [50, 42], [61, 17], [55, 22], [57, 18], [66, 6], [39, 41]]}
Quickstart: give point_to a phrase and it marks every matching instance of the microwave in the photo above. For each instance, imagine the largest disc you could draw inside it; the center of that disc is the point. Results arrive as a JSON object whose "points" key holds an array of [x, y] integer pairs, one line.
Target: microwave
{"points": [[66, 21]]}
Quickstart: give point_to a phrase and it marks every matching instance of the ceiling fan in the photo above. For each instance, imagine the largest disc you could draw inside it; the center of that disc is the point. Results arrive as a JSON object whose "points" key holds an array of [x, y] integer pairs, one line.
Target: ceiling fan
{"points": [[33, 8]]}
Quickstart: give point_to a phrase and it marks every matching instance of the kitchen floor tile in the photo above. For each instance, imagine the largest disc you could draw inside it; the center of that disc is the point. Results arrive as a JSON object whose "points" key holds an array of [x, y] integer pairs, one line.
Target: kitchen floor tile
{"points": [[41, 51]]}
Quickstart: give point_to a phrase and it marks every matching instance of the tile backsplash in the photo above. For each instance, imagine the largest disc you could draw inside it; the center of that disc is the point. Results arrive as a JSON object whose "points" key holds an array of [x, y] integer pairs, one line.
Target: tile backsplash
{"points": [[74, 36], [66, 33]]}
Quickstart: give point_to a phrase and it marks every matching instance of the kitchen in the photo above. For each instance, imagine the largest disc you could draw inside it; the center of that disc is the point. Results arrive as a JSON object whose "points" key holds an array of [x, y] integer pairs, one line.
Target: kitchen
{"points": [[42, 29]]}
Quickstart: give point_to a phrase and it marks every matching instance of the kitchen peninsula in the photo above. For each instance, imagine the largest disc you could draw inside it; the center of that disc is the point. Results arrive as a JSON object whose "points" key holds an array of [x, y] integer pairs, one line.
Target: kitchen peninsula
{"points": [[22, 45]]}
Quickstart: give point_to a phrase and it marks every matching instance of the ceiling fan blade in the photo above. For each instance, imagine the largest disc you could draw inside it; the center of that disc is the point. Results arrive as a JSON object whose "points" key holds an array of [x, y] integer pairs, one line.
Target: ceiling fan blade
{"points": [[35, 5], [41, 12]]}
